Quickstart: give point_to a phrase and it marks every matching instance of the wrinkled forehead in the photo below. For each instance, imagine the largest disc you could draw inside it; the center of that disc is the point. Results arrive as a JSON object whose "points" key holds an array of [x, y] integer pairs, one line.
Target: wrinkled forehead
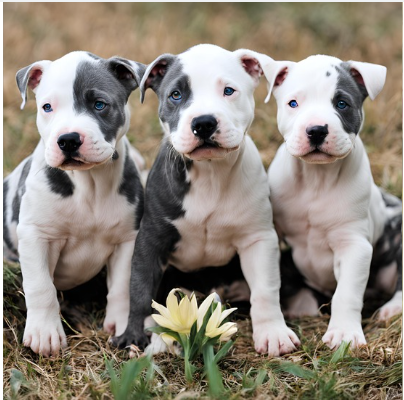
{"points": [[208, 64]]}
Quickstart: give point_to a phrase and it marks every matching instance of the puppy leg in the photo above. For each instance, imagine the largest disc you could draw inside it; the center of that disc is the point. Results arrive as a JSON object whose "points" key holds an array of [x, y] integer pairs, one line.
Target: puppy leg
{"points": [[146, 274], [260, 265], [395, 305], [351, 268], [43, 330], [119, 265], [302, 304]]}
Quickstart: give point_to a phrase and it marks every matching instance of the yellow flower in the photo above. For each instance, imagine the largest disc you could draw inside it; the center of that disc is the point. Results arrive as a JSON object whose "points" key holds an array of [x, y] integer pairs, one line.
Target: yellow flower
{"points": [[203, 308], [226, 330], [177, 317]]}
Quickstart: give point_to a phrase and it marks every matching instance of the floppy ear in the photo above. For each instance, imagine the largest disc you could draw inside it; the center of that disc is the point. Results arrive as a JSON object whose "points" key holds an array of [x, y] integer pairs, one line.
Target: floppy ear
{"points": [[129, 73], [258, 64], [369, 76], [155, 73], [30, 77]]}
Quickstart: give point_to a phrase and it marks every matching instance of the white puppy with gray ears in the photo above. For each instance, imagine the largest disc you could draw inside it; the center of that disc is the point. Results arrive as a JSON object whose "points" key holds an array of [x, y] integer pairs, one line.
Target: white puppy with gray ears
{"points": [[206, 196], [341, 227]]}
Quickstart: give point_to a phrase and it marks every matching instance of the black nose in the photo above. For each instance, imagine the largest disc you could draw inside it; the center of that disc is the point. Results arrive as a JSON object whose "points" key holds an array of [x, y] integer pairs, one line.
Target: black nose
{"points": [[204, 126], [69, 142], [317, 134]]}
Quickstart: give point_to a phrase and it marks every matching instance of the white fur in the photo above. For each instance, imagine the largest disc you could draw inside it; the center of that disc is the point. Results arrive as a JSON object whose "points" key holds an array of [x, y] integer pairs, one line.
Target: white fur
{"points": [[64, 242], [329, 214], [227, 209]]}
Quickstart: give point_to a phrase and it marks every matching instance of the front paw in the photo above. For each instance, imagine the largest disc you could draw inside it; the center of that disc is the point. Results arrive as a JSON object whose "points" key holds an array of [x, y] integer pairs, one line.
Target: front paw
{"points": [[274, 338], [129, 337], [334, 336], [115, 321], [392, 307], [44, 334]]}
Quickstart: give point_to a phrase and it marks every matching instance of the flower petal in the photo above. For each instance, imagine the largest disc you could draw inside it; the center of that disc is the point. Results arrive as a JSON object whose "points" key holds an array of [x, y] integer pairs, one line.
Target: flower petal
{"points": [[194, 307], [228, 334], [172, 305], [226, 313], [161, 309], [165, 322], [222, 329], [184, 312], [214, 321], [203, 308]]}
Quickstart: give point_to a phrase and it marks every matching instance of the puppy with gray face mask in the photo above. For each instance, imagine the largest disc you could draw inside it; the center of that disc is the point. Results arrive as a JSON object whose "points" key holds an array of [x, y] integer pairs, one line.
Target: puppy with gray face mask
{"points": [[206, 197], [340, 226], [75, 204]]}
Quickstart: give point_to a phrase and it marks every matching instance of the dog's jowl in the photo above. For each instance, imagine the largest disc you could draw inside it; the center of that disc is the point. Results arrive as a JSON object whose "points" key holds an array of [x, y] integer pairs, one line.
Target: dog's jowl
{"points": [[206, 196], [75, 204], [326, 205]]}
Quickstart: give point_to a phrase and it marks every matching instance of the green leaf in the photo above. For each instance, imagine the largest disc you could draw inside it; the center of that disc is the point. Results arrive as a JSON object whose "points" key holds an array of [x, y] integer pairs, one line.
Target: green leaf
{"points": [[297, 370], [340, 353], [122, 386], [215, 380], [223, 351], [16, 380]]}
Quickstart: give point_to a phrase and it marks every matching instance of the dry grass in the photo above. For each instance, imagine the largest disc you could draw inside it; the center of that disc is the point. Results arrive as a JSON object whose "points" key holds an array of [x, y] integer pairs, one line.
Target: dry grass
{"points": [[372, 372], [141, 31]]}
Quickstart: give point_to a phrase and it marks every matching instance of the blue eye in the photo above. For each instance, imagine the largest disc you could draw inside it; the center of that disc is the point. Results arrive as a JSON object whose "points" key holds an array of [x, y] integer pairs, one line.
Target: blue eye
{"points": [[175, 96], [293, 103], [47, 108], [342, 104], [99, 105], [228, 91]]}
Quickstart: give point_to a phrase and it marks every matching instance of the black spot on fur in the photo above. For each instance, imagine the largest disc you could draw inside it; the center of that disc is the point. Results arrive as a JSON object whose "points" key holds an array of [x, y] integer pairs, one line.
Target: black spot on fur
{"points": [[131, 187], [59, 182]]}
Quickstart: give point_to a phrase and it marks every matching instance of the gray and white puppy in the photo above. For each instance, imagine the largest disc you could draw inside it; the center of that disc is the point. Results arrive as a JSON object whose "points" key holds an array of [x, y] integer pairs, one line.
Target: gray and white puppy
{"points": [[340, 225], [75, 204], [206, 196]]}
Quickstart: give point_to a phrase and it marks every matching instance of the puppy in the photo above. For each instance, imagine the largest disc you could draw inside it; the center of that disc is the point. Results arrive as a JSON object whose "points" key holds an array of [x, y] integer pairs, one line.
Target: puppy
{"points": [[206, 196], [339, 224], [75, 204]]}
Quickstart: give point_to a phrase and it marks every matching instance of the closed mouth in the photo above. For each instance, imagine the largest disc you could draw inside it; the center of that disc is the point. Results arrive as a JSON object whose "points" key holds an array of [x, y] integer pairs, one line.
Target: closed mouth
{"points": [[208, 144], [71, 162]]}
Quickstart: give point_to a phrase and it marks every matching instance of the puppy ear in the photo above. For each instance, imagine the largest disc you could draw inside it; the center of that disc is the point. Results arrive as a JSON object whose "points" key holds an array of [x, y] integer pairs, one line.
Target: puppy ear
{"points": [[368, 76], [128, 72], [155, 73], [30, 77], [258, 64]]}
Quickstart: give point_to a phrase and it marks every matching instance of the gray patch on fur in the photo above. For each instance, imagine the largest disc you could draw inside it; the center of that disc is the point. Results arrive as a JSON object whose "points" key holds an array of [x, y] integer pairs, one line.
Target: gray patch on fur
{"points": [[353, 94], [173, 80], [6, 232], [20, 189], [103, 80]]}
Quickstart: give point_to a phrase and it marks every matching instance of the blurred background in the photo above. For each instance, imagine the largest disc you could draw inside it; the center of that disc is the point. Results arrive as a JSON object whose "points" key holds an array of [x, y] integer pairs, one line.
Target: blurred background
{"points": [[370, 32]]}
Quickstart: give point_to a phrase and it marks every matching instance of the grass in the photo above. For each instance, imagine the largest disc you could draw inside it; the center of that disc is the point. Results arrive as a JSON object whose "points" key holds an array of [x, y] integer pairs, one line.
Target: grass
{"points": [[91, 369], [141, 31]]}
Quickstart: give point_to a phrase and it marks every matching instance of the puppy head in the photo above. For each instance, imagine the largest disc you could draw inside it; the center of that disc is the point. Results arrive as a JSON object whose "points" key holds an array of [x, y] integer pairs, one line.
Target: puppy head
{"points": [[82, 106], [320, 103], [206, 102]]}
